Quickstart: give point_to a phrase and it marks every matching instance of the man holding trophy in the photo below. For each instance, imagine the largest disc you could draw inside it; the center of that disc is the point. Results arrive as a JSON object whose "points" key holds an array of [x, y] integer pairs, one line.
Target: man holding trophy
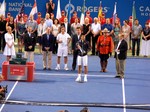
{"points": [[83, 47]]}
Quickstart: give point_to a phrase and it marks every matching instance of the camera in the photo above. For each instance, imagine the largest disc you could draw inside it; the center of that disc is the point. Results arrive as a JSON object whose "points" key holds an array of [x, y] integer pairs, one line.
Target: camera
{"points": [[3, 91]]}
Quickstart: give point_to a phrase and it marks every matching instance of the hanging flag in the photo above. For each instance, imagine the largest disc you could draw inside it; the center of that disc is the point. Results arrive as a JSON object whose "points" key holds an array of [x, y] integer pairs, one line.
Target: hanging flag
{"points": [[69, 11], [114, 14], [133, 13], [100, 11], [82, 14], [2, 8], [34, 11], [58, 13], [20, 13]]}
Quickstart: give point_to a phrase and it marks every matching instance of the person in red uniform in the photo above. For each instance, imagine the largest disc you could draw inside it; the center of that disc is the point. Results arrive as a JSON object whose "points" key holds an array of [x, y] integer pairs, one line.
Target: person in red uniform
{"points": [[102, 19], [72, 20], [39, 18], [105, 47], [88, 16], [63, 16]]}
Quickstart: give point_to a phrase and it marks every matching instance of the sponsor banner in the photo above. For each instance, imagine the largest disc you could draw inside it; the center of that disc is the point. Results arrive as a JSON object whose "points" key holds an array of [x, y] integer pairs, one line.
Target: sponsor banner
{"points": [[123, 9]]}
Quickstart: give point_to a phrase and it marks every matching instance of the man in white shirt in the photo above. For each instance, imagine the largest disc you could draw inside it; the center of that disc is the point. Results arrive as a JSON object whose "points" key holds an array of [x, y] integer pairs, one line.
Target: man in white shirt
{"points": [[95, 29], [63, 40]]}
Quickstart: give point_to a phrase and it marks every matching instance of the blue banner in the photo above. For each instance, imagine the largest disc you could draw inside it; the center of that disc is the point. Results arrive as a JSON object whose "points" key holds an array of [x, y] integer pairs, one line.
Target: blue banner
{"points": [[123, 9]]}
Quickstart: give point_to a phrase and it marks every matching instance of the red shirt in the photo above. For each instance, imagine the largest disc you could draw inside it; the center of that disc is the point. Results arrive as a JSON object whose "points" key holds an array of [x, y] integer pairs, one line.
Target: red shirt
{"points": [[38, 20], [72, 20], [90, 19], [61, 20], [102, 21], [105, 44]]}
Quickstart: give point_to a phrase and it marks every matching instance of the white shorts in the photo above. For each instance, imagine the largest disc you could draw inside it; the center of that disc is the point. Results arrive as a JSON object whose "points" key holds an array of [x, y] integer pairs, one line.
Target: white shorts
{"points": [[62, 51], [82, 59]]}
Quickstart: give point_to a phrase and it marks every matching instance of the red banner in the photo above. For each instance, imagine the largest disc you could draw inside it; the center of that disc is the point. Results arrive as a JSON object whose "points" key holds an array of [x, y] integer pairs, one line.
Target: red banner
{"points": [[17, 70]]}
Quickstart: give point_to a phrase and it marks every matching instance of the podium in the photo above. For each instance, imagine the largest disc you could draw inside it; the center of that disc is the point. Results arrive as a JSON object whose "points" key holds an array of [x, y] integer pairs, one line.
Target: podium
{"points": [[18, 72]]}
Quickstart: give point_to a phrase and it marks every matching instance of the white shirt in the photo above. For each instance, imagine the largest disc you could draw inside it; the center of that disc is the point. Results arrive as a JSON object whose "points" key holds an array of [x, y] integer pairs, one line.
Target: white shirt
{"points": [[96, 27], [64, 38], [118, 52]]}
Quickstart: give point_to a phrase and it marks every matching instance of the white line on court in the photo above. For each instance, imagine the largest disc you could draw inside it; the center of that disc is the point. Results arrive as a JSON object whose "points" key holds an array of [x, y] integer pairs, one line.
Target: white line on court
{"points": [[9, 95], [63, 74], [123, 94]]}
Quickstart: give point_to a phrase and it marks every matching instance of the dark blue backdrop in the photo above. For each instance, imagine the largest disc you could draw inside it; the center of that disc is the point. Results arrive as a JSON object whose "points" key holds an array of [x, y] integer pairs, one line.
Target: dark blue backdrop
{"points": [[124, 7]]}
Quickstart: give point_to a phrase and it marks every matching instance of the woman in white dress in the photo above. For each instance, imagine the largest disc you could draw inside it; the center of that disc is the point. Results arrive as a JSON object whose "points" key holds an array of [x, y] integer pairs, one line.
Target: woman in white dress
{"points": [[126, 31], [9, 49], [145, 47]]}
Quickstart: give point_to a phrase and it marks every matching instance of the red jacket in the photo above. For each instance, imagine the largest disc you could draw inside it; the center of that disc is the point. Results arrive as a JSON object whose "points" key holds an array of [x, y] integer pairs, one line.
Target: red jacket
{"points": [[105, 45]]}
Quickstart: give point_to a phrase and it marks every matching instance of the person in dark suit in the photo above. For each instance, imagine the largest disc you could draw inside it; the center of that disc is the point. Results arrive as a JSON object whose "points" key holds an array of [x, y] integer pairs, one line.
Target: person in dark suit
{"points": [[67, 26], [75, 39], [47, 47], [29, 44], [121, 55]]}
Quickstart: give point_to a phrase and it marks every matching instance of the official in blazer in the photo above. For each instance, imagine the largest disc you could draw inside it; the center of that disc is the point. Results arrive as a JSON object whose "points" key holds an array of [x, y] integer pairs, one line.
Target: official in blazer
{"points": [[47, 47], [121, 55], [75, 39], [29, 44]]}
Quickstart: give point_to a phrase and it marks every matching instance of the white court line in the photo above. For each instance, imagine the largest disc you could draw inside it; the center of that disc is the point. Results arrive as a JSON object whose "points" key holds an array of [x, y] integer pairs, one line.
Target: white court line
{"points": [[9, 95], [123, 94], [67, 74]]}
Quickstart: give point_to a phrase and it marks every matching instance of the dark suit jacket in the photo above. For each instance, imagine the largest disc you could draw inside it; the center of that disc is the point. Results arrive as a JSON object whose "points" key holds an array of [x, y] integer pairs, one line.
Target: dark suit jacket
{"points": [[68, 28], [123, 50], [47, 42], [74, 41], [29, 41]]}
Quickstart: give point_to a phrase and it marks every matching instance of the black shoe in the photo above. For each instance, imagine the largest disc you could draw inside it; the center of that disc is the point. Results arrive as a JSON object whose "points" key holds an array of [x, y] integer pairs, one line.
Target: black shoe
{"points": [[44, 68], [49, 69], [117, 76]]}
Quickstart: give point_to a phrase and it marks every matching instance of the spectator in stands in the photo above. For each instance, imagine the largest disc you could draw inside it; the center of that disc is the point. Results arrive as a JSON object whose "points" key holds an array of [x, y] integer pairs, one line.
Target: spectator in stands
{"points": [[21, 29], [63, 16], [29, 44], [9, 50], [86, 29], [8, 17], [63, 40], [136, 35], [117, 29], [145, 47], [47, 47], [102, 19], [32, 23], [83, 47], [109, 26], [48, 21], [38, 20], [126, 31], [40, 31], [50, 6], [11, 23], [74, 26], [130, 24], [75, 38], [121, 55], [55, 31], [105, 48], [95, 30], [72, 20], [88, 16], [2, 32]]}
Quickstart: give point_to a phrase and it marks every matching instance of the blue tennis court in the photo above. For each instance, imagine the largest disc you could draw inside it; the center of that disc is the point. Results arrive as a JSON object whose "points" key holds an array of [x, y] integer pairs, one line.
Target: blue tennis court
{"points": [[57, 87]]}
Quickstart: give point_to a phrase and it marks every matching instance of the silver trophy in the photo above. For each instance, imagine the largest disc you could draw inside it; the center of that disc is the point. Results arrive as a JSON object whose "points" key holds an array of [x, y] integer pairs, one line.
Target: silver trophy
{"points": [[80, 48]]}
